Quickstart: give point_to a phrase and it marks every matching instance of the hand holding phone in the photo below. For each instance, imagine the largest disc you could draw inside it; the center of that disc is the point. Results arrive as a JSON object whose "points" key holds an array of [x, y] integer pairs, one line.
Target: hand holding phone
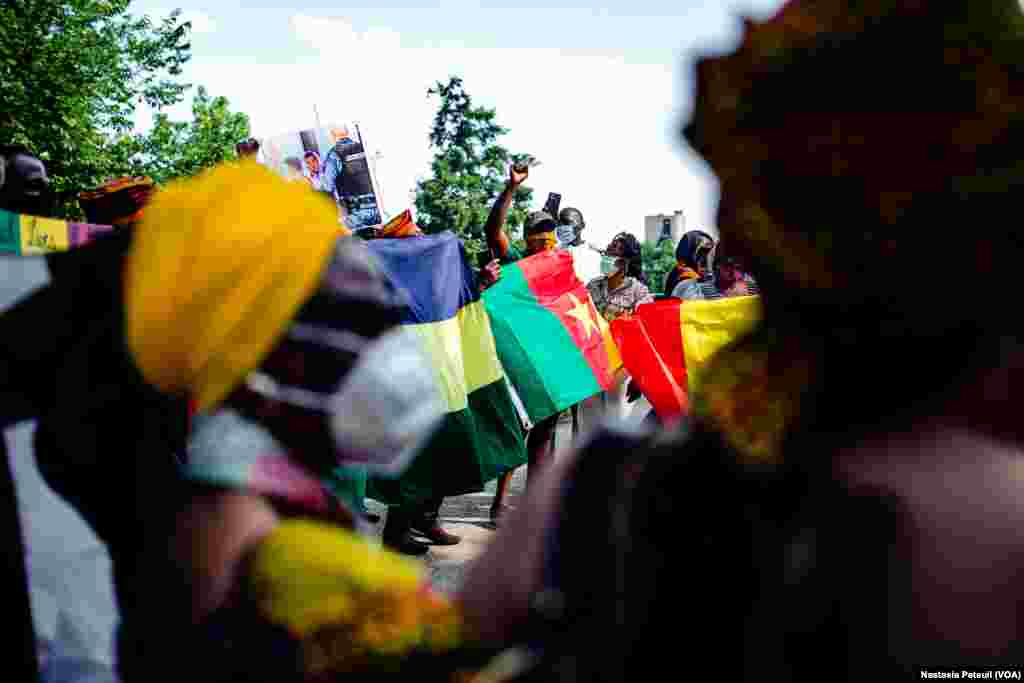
{"points": [[553, 204]]}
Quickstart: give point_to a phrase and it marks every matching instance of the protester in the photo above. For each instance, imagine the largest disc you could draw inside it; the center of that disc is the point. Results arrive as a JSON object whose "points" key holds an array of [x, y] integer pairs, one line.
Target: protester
{"points": [[840, 496], [692, 261], [110, 379], [539, 233], [423, 518], [24, 185], [586, 260], [730, 277], [624, 287], [618, 293]]}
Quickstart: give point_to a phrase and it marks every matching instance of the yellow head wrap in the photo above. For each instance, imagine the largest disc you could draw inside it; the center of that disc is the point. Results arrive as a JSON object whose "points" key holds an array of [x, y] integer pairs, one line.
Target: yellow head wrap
{"points": [[541, 241], [218, 267]]}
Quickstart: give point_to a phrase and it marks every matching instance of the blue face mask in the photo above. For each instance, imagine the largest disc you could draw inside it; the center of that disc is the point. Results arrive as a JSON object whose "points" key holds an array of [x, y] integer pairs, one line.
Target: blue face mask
{"points": [[566, 235]]}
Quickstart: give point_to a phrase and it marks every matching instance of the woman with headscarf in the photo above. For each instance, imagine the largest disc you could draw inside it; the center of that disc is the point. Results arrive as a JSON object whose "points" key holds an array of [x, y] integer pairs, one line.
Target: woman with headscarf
{"points": [[729, 277], [692, 261], [624, 286], [284, 385], [844, 493]]}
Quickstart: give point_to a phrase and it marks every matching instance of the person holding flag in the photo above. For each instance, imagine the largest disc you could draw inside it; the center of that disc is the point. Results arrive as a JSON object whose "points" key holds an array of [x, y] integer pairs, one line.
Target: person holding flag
{"points": [[692, 262], [539, 234]]}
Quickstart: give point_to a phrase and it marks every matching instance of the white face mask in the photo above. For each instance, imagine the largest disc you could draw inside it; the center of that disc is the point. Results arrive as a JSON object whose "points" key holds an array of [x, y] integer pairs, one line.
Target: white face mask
{"points": [[611, 265], [384, 409]]}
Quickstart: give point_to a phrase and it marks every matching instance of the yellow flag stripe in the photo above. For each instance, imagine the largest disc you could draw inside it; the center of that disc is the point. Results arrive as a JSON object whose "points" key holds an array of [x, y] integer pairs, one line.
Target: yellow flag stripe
{"points": [[614, 359], [707, 326], [463, 353]]}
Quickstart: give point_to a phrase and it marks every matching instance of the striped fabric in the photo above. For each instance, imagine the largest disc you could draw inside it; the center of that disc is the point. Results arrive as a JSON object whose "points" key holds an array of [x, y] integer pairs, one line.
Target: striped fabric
{"points": [[481, 435], [28, 235]]}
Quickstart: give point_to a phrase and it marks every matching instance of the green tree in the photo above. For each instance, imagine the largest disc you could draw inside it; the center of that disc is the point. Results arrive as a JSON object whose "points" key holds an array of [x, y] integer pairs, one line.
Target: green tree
{"points": [[659, 259], [71, 75], [468, 171], [174, 149]]}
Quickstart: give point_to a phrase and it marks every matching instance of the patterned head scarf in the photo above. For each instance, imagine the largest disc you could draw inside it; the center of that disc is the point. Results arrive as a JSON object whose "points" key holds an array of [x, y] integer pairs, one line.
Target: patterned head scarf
{"points": [[692, 254], [851, 139], [117, 202]]}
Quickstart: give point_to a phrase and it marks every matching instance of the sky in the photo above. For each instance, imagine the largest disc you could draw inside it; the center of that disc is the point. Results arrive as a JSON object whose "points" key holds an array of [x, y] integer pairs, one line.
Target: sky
{"points": [[598, 95]]}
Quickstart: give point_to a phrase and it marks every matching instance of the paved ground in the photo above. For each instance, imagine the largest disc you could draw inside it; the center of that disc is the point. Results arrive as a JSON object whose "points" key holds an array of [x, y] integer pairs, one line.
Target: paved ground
{"points": [[466, 516], [469, 516]]}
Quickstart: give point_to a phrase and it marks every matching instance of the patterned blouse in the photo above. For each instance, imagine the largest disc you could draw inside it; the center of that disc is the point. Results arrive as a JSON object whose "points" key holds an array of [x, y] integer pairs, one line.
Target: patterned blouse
{"points": [[612, 304]]}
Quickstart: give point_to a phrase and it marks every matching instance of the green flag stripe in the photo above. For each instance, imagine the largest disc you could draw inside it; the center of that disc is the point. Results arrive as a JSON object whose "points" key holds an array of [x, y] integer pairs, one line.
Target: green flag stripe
{"points": [[470, 448], [548, 369]]}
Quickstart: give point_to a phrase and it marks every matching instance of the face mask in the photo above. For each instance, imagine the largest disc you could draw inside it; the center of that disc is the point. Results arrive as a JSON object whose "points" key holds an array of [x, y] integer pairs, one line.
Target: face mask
{"points": [[227, 449], [383, 410], [566, 235], [611, 265]]}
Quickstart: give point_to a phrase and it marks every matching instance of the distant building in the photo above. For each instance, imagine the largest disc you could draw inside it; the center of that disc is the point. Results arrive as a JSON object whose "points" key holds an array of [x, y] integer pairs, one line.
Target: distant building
{"points": [[664, 227]]}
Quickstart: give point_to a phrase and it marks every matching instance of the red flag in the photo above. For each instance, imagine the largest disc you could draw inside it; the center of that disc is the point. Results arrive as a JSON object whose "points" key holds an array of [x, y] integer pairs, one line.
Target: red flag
{"points": [[651, 347], [667, 345]]}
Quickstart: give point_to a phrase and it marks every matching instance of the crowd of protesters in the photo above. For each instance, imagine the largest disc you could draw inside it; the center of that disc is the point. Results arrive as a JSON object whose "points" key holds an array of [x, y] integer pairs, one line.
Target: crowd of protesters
{"points": [[844, 498]]}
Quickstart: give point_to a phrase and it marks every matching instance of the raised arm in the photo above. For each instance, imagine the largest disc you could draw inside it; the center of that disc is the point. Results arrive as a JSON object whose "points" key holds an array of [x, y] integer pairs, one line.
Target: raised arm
{"points": [[497, 239]]}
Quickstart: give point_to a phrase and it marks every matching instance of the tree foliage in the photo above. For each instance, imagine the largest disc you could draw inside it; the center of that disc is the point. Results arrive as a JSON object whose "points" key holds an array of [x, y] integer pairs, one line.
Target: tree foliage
{"points": [[659, 259], [468, 171], [72, 73], [174, 149]]}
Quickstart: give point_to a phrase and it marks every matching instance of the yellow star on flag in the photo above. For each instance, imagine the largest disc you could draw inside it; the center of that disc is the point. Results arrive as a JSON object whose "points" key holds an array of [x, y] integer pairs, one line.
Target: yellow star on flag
{"points": [[581, 311]]}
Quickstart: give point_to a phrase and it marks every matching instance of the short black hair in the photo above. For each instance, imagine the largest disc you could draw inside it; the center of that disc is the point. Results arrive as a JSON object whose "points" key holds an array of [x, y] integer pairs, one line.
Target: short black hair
{"points": [[7, 155], [11, 151], [632, 252]]}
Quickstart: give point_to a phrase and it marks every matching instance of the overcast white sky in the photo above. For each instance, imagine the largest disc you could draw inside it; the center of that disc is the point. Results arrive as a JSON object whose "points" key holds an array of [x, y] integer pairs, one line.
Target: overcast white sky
{"points": [[598, 95]]}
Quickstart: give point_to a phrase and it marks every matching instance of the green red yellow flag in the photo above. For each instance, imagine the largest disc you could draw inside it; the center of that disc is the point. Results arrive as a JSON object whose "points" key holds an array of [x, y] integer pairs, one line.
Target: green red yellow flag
{"points": [[554, 345]]}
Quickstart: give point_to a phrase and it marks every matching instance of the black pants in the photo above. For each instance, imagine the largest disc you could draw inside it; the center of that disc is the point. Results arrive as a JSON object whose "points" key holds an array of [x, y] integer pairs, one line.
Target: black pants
{"points": [[401, 518]]}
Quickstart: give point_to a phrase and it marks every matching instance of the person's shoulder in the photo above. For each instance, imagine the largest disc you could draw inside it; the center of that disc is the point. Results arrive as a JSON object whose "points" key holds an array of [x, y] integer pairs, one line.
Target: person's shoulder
{"points": [[687, 289]]}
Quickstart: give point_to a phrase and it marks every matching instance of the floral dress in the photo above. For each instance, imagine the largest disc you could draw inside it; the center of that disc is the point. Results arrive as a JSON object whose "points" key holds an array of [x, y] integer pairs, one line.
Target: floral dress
{"points": [[614, 303]]}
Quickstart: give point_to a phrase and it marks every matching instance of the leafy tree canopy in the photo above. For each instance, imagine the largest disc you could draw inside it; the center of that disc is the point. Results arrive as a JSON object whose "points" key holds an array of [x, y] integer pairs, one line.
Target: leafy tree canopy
{"points": [[659, 259], [72, 73], [468, 171]]}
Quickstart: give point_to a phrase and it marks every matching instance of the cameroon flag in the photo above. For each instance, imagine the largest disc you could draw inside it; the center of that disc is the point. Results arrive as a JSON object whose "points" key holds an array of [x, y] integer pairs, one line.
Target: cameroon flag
{"points": [[667, 345], [481, 436], [554, 345]]}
